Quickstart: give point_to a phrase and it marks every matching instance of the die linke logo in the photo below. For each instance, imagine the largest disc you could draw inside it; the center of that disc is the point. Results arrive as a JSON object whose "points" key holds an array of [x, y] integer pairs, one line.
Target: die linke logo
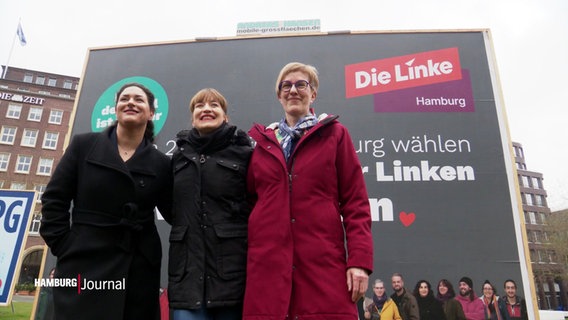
{"points": [[402, 72]]}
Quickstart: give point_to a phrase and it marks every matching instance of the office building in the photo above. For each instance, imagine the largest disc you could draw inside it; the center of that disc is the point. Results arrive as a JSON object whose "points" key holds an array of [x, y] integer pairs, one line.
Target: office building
{"points": [[35, 112]]}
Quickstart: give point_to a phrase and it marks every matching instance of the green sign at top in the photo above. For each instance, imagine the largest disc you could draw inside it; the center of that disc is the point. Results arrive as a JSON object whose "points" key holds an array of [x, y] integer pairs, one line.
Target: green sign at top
{"points": [[104, 113]]}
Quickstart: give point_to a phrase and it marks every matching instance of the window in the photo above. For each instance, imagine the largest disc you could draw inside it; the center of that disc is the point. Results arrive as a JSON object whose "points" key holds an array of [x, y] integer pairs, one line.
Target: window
{"points": [[528, 199], [67, 84], [65, 95], [47, 93], [539, 200], [55, 116], [40, 80], [542, 218], [18, 186], [35, 114], [40, 189], [545, 236], [532, 217], [519, 152], [536, 183], [44, 166], [525, 180], [23, 164], [8, 135], [14, 111], [4, 161], [28, 77], [52, 82], [50, 140], [29, 138], [36, 223]]}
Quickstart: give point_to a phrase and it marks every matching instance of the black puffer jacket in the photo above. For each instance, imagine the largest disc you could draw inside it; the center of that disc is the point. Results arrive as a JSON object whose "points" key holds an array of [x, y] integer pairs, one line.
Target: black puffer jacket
{"points": [[208, 240]]}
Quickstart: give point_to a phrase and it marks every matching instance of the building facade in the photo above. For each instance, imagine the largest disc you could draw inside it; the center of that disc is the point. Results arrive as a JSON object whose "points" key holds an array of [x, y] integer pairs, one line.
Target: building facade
{"points": [[550, 288], [35, 112]]}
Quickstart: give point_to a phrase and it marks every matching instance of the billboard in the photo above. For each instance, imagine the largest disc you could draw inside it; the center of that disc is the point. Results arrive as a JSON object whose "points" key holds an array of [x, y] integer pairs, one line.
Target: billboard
{"points": [[15, 211], [426, 118]]}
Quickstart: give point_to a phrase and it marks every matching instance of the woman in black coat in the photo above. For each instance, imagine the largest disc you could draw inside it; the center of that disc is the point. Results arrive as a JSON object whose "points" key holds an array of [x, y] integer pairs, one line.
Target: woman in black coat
{"points": [[208, 239], [428, 306], [107, 246]]}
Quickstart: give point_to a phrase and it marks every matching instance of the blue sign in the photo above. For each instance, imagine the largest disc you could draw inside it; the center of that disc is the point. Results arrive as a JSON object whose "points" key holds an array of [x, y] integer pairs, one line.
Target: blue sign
{"points": [[15, 211]]}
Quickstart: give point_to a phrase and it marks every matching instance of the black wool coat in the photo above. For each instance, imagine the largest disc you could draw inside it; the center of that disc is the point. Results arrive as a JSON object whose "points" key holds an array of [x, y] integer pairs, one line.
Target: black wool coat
{"points": [[208, 239], [98, 219], [430, 308]]}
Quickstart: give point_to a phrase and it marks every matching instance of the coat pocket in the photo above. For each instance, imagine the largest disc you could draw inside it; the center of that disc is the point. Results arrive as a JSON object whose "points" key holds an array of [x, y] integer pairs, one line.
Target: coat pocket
{"points": [[177, 253], [231, 249]]}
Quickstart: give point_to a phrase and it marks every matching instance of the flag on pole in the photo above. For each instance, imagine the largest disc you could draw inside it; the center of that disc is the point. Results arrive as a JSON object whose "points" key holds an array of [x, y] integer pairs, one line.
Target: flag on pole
{"points": [[21, 36]]}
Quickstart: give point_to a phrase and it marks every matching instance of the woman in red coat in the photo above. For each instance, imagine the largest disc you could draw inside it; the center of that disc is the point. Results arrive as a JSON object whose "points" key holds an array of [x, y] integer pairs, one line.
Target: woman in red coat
{"points": [[310, 244]]}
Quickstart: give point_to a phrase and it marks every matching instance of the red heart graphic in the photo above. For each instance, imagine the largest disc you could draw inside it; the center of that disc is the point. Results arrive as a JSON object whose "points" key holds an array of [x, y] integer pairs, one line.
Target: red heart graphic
{"points": [[407, 218]]}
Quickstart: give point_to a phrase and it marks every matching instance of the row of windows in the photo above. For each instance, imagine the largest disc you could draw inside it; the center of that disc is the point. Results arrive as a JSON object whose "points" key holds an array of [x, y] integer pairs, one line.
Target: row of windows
{"points": [[543, 256], [533, 199], [51, 81], [24, 164], [14, 185], [29, 137], [530, 182], [34, 114], [535, 236], [532, 217]]}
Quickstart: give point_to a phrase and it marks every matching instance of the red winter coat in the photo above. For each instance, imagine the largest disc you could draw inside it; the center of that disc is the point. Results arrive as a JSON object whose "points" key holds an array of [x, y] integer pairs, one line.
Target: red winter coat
{"points": [[297, 258]]}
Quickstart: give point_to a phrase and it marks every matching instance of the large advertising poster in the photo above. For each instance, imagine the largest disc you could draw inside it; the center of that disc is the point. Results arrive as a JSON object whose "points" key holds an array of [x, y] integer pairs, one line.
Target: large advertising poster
{"points": [[424, 112]]}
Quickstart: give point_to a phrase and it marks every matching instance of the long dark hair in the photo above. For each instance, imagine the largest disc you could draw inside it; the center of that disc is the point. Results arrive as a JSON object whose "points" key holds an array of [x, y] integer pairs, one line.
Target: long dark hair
{"points": [[149, 133], [451, 293]]}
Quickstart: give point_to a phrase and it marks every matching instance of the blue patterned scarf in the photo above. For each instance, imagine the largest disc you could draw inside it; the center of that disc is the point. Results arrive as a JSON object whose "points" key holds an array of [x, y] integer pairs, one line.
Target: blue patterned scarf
{"points": [[289, 136]]}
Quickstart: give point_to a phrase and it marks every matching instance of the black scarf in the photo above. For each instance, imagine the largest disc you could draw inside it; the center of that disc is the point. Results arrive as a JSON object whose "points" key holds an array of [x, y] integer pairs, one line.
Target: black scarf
{"points": [[444, 297], [380, 301], [216, 140]]}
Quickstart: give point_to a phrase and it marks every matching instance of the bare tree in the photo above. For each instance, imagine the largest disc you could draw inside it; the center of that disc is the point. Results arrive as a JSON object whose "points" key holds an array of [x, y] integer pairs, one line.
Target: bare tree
{"points": [[557, 230]]}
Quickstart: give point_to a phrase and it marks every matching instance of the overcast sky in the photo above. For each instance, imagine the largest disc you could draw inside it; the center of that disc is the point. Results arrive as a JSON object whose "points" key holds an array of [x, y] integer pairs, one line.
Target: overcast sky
{"points": [[530, 39]]}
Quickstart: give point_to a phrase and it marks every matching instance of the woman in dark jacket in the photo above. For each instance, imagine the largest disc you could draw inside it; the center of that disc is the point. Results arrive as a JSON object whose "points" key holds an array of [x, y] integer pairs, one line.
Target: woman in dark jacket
{"points": [[429, 307], [108, 249], [446, 294], [208, 240]]}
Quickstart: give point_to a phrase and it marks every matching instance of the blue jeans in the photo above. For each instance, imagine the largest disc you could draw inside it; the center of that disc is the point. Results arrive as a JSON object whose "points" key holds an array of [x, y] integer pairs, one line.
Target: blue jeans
{"points": [[222, 313]]}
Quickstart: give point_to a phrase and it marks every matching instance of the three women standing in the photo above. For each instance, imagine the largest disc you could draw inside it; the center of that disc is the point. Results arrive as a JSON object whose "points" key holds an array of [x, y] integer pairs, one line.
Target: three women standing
{"points": [[311, 223], [208, 239]]}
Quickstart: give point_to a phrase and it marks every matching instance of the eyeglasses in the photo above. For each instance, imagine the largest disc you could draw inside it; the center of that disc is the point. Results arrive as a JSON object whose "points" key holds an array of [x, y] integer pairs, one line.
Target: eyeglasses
{"points": [[300, 85]]}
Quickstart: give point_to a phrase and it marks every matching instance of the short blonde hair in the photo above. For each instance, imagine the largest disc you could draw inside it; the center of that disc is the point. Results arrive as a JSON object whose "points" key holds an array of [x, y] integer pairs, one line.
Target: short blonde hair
{"points": [[310, 70], [208, 95]]}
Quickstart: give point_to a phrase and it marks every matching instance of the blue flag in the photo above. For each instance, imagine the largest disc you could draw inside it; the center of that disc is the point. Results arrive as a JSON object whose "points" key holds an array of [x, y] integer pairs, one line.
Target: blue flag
{"points": [[21, 35]]}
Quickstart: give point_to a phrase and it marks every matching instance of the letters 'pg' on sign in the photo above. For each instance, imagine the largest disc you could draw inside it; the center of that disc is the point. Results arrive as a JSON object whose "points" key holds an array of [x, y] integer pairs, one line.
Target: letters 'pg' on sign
{"points": [[15, 210]]}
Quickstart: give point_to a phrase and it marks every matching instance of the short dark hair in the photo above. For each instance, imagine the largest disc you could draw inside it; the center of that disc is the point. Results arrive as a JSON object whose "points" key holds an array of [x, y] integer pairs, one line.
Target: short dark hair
{"points": [[509, 280]]}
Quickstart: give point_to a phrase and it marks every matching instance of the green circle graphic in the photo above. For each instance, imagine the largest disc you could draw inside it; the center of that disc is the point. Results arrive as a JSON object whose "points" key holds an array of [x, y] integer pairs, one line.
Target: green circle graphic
{"points": [[104, 112]]}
